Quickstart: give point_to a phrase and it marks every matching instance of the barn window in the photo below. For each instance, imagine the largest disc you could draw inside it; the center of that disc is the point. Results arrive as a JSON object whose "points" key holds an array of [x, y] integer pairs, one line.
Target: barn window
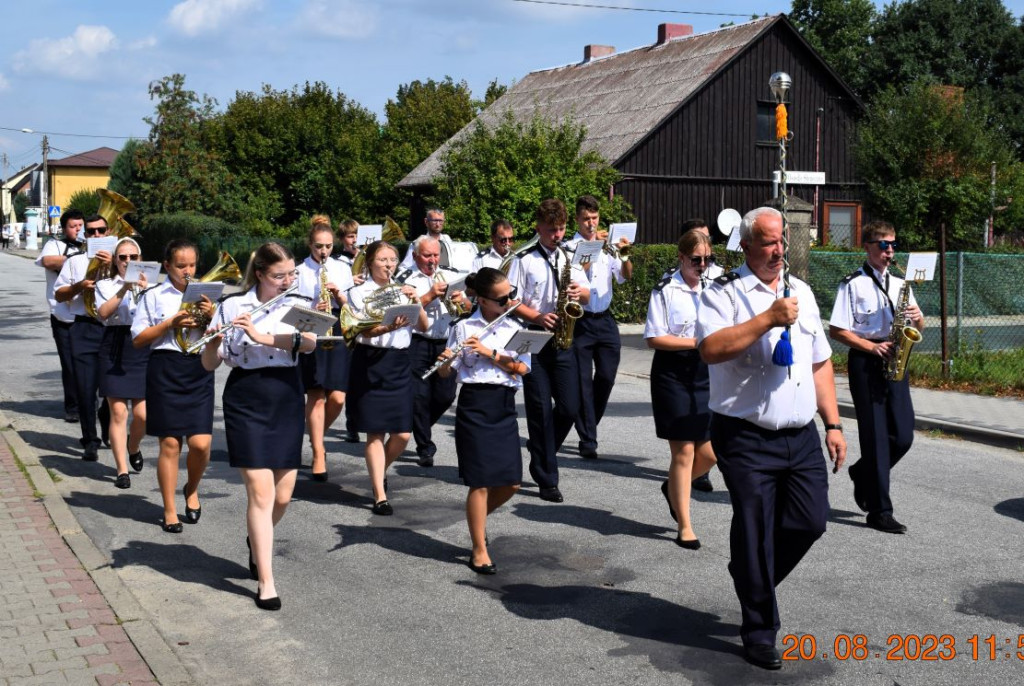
{"points": [[766, 122]]}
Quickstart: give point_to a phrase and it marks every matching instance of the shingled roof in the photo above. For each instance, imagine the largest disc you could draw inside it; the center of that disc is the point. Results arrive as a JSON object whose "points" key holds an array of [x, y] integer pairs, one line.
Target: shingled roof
{"points": [[620, 98], [100, 157]]}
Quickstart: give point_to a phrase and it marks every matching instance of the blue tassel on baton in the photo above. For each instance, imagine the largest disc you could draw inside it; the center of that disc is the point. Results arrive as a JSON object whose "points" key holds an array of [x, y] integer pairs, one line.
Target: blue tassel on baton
{"points": [[782, 356]]}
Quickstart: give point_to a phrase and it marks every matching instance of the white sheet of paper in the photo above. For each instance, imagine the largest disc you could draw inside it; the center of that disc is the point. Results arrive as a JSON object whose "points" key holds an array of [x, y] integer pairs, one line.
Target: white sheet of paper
{"points": [[587, 251], [921, 266], [150, 269], [410, 312], [195, 290], [95, 245], [625, 230], [456, 282], [525, 341], [369, 233], [734, 241], [307, 320]]}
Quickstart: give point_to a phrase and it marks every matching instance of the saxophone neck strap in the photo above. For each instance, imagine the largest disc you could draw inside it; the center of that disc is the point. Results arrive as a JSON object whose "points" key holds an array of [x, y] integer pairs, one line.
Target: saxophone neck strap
{"points": [[885, 289]]}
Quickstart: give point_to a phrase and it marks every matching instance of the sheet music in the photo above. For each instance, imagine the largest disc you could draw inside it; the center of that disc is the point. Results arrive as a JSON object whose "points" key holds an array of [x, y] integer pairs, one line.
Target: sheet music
{"points": [[586, 251], [369, 233], [195, 290], [625, 230], [526, 341], [308, 320], [150, 269], [734, 242], [95, 245], [410, 312], [921, 266]]}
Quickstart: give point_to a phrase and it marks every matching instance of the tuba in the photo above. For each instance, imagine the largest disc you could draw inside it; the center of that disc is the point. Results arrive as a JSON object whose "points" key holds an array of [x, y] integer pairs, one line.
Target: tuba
{"points": [[902, 335], [568, 310], [113, 207], [226, 269]]}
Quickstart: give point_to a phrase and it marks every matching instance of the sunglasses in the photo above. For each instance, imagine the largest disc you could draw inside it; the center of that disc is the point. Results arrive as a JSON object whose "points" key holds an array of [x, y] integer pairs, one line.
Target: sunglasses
{"points": [[506, 240], [95, 231], [125, 258], [503, 300], [885, 245], [698, 261]]}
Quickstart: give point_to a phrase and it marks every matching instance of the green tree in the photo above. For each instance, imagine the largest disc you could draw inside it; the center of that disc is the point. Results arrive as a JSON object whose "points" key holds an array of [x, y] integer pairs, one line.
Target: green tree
{"points": [[503, 172], [841, 31], [494, 91], [422, 116], [20, 203], [925, 154], [124, 171], [85, 201]]}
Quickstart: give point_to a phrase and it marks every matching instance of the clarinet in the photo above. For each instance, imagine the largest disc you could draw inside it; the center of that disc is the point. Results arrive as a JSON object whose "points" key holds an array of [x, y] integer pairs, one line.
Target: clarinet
{"points": [[462, 344]]}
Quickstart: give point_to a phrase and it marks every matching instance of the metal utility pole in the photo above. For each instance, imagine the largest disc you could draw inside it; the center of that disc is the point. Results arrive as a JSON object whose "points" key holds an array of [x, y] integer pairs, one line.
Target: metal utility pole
{"points": [[46, 185]]}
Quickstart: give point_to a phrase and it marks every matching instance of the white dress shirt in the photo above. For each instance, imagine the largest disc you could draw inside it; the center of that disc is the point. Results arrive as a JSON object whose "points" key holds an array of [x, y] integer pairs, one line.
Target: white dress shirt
{"points": [[399, 338], [159, 303], [863, 308], [750, 386], [438, 320], [603, 270], [673, 309], [54, 248], [71, 273], [487, 258], [237, 349], [125, 312], [537, 273], [471, 367], [309, 279]]}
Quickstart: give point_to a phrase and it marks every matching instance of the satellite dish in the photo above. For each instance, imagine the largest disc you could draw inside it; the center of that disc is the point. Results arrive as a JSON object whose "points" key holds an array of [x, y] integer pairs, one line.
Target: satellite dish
{"points": [[728, 220]]}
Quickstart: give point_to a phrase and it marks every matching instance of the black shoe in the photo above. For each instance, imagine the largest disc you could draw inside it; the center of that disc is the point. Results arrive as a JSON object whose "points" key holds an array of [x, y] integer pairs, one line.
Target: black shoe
{"points": [[588, 453], [763, 656], [175, 528], [702, 483], [886, 523], [71, 418], [135, 460], [319, 476], [664, 492], [489, 568], [191, 516], [272, 604], [425, 461], [123, 481], [552, 495], [383, 507], [858, 493], [689, 545], [253, 571], [351, 437], [90, 454]]}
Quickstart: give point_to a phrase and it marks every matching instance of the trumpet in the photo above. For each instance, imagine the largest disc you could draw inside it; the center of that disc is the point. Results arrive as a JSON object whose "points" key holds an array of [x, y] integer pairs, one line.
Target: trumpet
{"points": [[197, 346], [462, 344], [455, 309]]}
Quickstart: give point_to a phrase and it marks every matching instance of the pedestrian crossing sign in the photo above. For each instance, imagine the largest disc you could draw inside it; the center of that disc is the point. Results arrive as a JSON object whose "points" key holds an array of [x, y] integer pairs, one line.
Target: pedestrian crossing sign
{"points": [[54, 211]]}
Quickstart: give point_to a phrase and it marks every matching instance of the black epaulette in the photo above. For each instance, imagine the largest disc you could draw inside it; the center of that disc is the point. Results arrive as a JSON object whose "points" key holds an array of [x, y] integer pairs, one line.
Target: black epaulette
{"points": [[482, 252], [149, 289], [222, 298], [724, 279], [448, 269], [402, 276], [850, 277], [664, 282], [301, 297]]}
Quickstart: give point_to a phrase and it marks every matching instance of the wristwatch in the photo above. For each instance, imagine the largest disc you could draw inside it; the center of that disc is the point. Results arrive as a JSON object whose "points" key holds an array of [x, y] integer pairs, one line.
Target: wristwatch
{"points": [[834, 427]]}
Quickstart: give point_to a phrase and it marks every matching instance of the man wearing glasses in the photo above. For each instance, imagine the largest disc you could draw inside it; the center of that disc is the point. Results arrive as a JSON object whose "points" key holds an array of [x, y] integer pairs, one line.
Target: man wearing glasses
{"points": [[502, 237], [596, 338], [862, 320], [434, 221], [86, 334]]}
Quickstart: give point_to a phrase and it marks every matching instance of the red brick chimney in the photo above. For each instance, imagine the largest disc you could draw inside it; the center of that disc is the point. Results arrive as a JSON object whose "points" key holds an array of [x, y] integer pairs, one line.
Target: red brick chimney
{"points": [[592, 52], [667, 32]]}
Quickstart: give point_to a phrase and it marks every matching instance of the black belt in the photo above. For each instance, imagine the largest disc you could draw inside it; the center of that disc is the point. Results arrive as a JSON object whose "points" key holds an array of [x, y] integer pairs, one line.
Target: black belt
{"points": [[428, 338], [86, 319], [595, 315]]}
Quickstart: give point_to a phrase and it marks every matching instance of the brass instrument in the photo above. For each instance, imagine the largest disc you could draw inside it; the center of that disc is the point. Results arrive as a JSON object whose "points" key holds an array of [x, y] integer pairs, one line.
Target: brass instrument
{"points": [[903, 335], [375, 306], [113, 207], [454, 309], [225, 269], [568, 310], [325, 298], [391, 233], [506, 262]]}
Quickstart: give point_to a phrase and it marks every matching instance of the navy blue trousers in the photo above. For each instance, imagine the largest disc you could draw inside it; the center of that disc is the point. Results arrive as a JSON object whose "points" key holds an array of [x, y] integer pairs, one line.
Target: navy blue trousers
{"points": [[778, 485], [551, 393], [86, 336], [598, 348], [62, 339], [885, 427], [431, 397]]}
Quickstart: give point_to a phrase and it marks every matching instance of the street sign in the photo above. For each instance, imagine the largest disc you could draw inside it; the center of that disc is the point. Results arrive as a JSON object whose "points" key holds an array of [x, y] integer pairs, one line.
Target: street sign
{"points": [[54, 211], [801, 178]]}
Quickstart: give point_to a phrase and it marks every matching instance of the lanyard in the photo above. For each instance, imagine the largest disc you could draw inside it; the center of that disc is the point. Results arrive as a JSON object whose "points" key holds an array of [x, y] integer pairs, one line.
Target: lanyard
{"points": [[871, 272]]}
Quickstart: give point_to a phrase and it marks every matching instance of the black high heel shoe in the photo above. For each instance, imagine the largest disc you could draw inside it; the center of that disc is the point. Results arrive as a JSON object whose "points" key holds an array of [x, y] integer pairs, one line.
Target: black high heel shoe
{"points": [[253, 572], [272, 604], [191, 516], [689, 545], [175, 528]]}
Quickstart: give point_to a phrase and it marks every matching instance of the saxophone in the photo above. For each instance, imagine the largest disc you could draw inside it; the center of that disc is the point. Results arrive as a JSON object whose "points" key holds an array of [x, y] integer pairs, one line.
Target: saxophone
{"points": [[325, 298], [568, 311], [902, 335]]}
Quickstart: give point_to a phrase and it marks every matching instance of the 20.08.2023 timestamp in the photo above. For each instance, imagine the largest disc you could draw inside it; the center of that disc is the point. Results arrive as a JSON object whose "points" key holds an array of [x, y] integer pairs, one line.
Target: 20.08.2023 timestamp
{"points": [[909, 647]]}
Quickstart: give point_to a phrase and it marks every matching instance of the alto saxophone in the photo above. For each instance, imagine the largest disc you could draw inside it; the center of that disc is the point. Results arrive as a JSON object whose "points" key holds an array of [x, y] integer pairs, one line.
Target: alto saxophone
{"points": [[325, 298], [567, 309], [903, 335]]}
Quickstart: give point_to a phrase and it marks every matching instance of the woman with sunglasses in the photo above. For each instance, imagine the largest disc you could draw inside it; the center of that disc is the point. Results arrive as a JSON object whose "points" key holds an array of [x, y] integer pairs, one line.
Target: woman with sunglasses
{"points": [[179, 391], [679, 380], [325, 372], [122, 365], [379, 399], [486, 425], [263, 401]]}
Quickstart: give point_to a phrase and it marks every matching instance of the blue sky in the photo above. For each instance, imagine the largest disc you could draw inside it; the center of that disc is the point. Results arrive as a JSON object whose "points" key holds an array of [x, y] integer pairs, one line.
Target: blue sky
{"points": [[83, 66]]}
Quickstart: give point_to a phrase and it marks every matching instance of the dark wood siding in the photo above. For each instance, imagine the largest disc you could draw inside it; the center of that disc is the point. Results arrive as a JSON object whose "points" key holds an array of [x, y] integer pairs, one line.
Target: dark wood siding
{"points": [[705, 157]]}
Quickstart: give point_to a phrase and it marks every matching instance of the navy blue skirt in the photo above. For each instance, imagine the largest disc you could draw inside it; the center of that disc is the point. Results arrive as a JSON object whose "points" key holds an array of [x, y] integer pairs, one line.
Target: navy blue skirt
{"points": [[380, 392], [326, 369], [264, 418], [122, 365], [179, 395], [487, 436], [680, 390]]}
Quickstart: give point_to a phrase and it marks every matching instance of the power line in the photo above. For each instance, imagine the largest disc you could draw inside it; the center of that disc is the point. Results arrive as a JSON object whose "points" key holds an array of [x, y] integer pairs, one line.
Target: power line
{"points": [[631, 9], [75, 135]]}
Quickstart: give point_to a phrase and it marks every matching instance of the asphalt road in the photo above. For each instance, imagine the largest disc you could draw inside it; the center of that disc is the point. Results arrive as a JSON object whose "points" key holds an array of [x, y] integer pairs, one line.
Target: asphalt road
{"points": [[591, 591]]}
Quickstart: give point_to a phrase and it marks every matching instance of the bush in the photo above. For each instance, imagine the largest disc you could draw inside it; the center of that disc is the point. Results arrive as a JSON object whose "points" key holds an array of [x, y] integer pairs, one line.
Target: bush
{"points": [[85, 201]]}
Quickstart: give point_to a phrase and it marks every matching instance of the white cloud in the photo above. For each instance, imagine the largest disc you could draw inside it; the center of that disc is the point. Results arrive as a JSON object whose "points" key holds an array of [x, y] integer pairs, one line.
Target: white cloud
{"points": [[338, 18], [75, 57], [195, 17], [4, 83], [142, 43]]}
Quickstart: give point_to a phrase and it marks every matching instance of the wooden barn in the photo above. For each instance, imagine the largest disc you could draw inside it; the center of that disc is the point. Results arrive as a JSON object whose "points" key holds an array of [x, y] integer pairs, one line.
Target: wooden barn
{"points": [[689, 123]]}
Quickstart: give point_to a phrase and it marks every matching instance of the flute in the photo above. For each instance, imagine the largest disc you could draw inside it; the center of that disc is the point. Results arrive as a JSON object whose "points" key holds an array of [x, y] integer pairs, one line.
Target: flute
{"points": [[262, 306], [458, 348]]}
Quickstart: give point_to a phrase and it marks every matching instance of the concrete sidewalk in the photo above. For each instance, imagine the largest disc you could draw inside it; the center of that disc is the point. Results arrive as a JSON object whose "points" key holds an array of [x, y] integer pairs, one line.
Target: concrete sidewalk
{"points": [[979, 418]]}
